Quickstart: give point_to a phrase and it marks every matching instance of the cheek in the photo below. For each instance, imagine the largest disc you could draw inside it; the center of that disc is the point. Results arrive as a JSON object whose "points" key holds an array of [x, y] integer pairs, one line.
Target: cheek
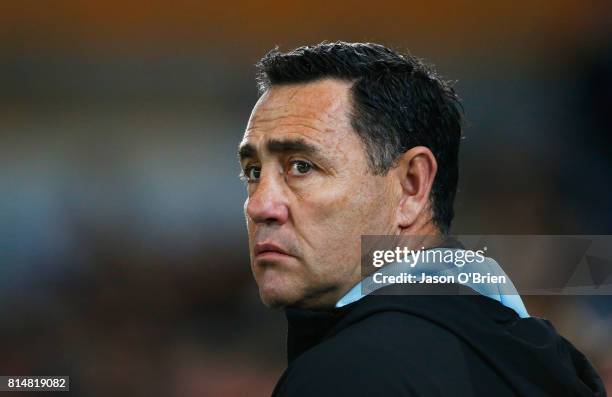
{"points": [[354, 206], [333, 220], [249, 224]]}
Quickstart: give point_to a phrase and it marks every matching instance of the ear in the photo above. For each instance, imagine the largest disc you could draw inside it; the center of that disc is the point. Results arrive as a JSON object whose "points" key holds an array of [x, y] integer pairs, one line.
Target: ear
{"points": [[415, 170]]}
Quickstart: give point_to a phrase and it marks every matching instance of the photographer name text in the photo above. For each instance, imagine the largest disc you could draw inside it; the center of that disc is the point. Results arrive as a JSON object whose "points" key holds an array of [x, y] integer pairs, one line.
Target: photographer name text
{"points": [[424, 278]]}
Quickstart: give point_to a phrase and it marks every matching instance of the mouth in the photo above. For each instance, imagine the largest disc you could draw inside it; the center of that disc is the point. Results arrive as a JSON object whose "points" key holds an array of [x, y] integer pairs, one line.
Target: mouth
{"points": [[270, 251]]}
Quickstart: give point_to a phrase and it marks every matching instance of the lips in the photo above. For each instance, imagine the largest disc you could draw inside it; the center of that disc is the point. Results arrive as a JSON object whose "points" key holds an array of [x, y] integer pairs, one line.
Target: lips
{"points": [[269, 248]]}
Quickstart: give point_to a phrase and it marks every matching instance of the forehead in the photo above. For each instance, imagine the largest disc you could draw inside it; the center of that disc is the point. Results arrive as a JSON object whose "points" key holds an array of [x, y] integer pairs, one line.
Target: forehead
{"points": [[317, 111]]}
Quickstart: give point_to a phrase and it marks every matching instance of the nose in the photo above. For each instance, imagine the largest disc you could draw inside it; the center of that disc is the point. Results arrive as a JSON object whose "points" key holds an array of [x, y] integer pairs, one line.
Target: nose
{"points": [[267, 203]]}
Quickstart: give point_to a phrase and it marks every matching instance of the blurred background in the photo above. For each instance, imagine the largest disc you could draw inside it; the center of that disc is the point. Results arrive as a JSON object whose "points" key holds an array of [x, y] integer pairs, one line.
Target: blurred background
{"points": [[124, 260]]}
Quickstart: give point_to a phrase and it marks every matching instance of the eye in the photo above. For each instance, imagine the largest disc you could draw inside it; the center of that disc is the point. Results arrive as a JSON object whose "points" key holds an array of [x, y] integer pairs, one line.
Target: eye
{"points": [[300, 167], [251, 174]]}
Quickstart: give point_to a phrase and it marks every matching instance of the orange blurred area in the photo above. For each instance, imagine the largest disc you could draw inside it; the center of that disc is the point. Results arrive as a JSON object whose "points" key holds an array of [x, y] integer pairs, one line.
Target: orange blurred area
{"points": [[112, 27]]}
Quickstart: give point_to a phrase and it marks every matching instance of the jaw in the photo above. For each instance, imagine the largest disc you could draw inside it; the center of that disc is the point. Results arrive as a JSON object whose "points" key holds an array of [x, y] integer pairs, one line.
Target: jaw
{"points": [[278, 290]]}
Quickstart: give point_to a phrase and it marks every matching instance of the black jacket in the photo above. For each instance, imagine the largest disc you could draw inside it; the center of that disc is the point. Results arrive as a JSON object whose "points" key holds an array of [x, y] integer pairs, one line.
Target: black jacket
{"points": [[458, 345]]}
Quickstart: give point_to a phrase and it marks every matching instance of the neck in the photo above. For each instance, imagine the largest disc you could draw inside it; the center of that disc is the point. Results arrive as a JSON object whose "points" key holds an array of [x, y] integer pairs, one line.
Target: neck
{"points": [[422, 233]]}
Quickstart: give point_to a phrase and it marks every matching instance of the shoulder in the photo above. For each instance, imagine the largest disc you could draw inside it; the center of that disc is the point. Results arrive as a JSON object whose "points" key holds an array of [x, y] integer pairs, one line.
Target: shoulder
{"points": [[389, 353]]}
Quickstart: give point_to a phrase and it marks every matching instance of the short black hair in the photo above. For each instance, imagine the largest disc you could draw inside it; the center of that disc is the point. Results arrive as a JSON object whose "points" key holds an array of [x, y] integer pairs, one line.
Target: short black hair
{"points": [[398, 103]]}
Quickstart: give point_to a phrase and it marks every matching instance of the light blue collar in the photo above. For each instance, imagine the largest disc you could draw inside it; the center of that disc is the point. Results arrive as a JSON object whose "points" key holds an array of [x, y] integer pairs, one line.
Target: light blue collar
{"points": [[506, 293]]}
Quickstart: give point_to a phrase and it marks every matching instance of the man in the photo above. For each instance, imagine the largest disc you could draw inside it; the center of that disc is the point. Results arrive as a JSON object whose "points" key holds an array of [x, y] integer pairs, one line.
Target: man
{"points": [[355, 139]]}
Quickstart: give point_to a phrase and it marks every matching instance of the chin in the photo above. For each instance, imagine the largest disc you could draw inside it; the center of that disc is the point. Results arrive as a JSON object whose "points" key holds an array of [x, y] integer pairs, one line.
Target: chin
{"points": [[292, 296], [275, 299], [278, 288]]}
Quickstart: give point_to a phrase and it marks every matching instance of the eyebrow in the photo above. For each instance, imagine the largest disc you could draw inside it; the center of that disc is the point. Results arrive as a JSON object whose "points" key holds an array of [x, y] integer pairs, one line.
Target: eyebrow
{"points": [[279, 147]]}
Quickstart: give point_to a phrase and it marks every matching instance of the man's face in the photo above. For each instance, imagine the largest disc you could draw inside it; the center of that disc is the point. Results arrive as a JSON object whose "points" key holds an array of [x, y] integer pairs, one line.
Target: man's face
{"points": [[311, 194]]}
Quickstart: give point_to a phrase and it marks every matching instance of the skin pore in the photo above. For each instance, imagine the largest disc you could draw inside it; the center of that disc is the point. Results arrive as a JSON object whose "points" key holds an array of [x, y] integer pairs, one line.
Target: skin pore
{"points": [[311, 194]]}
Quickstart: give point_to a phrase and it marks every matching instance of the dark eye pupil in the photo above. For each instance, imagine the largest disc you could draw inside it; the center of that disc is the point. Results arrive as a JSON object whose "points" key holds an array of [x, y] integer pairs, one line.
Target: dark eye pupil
{"points": [[303, 167], [255, 173]]}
